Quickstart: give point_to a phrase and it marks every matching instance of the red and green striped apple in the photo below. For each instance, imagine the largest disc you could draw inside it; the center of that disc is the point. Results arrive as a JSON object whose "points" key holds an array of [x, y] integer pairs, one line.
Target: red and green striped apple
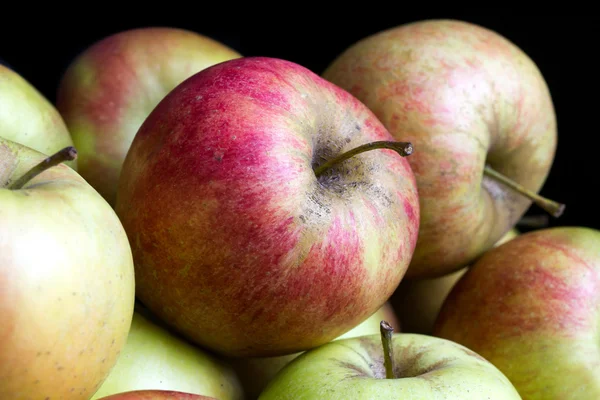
{"points": [[111, 87], [246, 237]]}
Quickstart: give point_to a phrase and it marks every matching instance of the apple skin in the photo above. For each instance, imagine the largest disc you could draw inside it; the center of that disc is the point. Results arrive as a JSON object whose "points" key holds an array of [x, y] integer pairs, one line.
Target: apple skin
{"points": [[426, 368], [156, 395], [66, 282], [531, 307], [155, 358], [255, 373], [111, 87], [418, 301], [465, 96], [237, 244], [28, 118]]}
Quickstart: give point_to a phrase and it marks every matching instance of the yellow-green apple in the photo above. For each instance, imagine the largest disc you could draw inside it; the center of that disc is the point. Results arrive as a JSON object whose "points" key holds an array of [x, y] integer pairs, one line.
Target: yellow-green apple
{"points": [[110, 88], [156, 395], [155, 358], [66, 279], [421, 367], [29, 118], [418, 301], [252, 233], [256, 372], [481, 115], [531, 307]]}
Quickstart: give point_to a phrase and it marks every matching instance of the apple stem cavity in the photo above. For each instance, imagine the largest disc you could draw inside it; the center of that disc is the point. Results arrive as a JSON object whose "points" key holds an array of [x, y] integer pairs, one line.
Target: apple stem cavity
{"points": [[388, 350], [402, 148], [552, 207], [66, 154]]}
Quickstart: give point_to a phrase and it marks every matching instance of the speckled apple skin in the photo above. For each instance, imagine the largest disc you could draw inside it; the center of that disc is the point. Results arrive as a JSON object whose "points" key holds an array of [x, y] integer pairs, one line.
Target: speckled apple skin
{"points": [[236, 242], [464, 96]]}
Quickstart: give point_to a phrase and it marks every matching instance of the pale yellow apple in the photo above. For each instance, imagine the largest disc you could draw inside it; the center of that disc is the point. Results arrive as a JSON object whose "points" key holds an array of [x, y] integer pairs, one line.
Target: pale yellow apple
{"points": [[155, 358], [29, 118]]}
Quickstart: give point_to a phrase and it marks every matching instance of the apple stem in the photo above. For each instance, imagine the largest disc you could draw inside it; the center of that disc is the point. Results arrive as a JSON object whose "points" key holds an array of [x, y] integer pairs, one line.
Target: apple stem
{"points": [[552, 207], [66, 154], [388, 350], [402, 148], [534, 221]]}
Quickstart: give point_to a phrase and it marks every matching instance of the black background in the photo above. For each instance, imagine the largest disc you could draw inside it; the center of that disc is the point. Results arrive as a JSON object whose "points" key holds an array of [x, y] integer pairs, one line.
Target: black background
{"points": [[564, 48]]}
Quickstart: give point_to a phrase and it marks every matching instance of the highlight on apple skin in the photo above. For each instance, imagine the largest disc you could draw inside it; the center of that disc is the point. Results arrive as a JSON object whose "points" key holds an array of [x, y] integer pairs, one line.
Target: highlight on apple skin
{"points": [[532, 307], [469, 100], [110, 88], [237, 243]]}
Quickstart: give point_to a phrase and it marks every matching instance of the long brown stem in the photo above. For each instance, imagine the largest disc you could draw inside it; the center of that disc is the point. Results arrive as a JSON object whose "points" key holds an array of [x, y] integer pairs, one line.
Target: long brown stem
{"points": [[402, 148], [66, 154], [552, 207], [388, 350]]}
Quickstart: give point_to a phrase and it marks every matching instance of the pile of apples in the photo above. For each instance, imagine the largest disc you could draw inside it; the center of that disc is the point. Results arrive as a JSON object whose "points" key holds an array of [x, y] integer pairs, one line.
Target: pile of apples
{"points": [[186, 222]]}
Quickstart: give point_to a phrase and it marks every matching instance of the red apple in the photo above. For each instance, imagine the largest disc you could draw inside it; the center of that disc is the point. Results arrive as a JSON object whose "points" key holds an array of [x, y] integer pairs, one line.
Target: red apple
{"points": [[156, 395], [246, 239], [109, 89], [532, 307], [475, 106]]}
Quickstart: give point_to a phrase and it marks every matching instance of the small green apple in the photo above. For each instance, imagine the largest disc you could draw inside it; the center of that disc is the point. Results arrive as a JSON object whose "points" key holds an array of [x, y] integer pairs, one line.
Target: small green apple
{"points": [[425, 367], [155, 358]]}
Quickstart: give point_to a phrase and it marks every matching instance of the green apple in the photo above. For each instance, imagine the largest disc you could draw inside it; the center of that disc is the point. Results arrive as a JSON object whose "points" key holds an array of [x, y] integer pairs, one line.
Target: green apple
{"points": [[156, 395], [110, 88], [66, 279], [481, 115], [28, 118], [256, 372], [424, 367], [532, 307], [418, 301], [155, 358]]}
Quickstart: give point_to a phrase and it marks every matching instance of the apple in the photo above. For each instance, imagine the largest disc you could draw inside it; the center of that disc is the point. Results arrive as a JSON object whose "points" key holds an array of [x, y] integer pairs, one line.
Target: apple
{"points": [[156, 395], [260, 223], [110, 88], [255, 373], [66, 279], [418, 301], [28, 118], [531, 307], [155, 358], [481, 115], [414, 367]]}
